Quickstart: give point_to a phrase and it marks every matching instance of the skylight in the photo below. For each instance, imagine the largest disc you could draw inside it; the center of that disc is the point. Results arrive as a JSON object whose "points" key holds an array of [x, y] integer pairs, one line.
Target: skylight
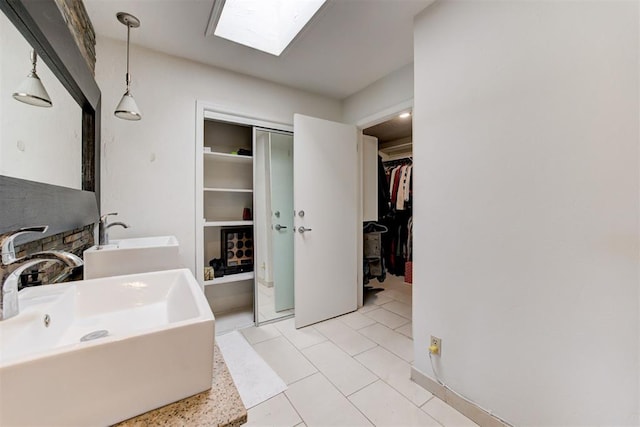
{"points": [[266, 25]]}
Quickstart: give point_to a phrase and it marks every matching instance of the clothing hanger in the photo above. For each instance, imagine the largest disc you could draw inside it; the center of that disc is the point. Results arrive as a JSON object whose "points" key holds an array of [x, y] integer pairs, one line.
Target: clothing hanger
{"points": [[374, 227]]}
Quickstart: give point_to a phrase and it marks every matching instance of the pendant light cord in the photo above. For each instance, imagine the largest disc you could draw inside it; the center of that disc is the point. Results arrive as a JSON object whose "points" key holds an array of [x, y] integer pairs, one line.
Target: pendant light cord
{"points": [[34, 59], [127, 76]]}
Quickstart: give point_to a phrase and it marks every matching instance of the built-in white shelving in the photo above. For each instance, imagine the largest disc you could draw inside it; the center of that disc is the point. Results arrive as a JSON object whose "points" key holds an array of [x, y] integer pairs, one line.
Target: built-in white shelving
{"points": [[230, 278], [224, 196], [214, 155], [229, 190], [227, 223]]}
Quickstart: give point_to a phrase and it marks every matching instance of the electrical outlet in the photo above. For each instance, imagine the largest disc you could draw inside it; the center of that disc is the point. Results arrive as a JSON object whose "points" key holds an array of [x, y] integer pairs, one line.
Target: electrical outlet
{"points": [[436, 342]]}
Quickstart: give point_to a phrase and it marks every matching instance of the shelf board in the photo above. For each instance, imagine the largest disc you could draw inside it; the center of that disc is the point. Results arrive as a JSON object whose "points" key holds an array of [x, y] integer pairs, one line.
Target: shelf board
{"points": [[231, 278], [226, 157], [229, 190], [226, 223]]}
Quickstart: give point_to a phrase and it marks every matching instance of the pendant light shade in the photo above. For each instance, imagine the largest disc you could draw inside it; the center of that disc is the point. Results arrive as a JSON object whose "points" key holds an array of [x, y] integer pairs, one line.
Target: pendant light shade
{"points": [[127, 108], [31, 91]]}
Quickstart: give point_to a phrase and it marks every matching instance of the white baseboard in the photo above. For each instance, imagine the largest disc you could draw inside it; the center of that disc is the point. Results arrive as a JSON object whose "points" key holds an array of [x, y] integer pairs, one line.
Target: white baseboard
{"points": [[468, 409]]}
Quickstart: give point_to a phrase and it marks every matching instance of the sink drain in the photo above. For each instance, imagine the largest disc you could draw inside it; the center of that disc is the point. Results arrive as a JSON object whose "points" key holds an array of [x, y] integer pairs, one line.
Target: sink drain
{"points": [[95, 335]]}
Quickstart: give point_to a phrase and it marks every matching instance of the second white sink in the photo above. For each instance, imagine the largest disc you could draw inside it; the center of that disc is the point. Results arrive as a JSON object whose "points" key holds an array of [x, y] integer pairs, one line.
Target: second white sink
{"points": [[130, 256]]}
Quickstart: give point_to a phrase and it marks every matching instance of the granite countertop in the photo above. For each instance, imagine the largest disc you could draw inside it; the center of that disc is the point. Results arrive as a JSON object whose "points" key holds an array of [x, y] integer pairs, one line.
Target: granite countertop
{"points": [[219, 406]]}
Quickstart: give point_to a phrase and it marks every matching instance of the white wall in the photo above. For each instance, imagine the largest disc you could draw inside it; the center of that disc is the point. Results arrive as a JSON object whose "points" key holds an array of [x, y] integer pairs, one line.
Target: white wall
{"points": [[527, 204], [391, 90], [148, 166]]}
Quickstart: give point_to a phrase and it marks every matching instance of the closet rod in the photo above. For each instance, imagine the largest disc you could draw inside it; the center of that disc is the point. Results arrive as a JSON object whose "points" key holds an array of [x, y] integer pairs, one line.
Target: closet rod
{"points": [[395, 162]]}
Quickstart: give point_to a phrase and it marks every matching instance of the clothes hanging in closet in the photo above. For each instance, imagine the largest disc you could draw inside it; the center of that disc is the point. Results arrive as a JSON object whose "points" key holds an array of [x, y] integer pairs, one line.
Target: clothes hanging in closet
{"points": [[400, 186], [396, 243]]}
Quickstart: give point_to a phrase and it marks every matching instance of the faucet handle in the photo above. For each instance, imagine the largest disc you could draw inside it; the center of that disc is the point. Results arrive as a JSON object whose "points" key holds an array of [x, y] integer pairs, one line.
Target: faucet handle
{"points": [[103, 218], [6, 241]]}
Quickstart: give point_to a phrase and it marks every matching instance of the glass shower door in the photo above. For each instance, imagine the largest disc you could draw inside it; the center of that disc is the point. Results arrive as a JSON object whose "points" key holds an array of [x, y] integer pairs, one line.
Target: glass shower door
{"points": [[274, 224], [282, 219]]}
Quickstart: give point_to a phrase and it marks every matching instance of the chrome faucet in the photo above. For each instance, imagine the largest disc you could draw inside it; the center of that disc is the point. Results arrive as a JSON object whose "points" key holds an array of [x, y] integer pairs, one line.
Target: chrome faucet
{"points": [[6, 242], [103, 234], [9, 294]]}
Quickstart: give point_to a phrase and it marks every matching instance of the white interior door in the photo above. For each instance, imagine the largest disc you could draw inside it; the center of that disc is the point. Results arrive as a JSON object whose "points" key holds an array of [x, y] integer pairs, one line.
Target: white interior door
{"points": [[326, 205]]}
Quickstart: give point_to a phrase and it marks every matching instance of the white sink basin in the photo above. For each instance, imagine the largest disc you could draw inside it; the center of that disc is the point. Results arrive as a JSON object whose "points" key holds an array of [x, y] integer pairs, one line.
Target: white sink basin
{"points": [[129, 256], [158, 348]]}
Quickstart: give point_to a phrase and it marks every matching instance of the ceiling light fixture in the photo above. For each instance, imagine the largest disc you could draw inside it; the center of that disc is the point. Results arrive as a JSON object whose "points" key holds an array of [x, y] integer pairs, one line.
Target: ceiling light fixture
{"points": [[127, 108], [31, 91], [405, 115], [266, 25]]}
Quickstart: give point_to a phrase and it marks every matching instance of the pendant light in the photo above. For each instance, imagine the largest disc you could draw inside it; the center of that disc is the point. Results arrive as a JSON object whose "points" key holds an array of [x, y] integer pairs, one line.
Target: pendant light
{"points": [[127, 108], [31, 90]]}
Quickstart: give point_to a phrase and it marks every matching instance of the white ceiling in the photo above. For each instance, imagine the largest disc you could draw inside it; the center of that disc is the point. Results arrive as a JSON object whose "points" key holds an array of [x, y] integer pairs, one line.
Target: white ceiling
{"points": [[348, 45]]}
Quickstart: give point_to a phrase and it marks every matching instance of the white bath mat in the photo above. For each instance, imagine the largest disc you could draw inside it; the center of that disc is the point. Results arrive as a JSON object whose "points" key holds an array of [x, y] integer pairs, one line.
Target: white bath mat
{"points": [[254, 378]]}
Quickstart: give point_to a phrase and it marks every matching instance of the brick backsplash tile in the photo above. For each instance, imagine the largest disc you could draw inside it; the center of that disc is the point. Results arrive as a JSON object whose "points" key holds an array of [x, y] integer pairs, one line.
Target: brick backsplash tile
{"points": [[74, 241]]}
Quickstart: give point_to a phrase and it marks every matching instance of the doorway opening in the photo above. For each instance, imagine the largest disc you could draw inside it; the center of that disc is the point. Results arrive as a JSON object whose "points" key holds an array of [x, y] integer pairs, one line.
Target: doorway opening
{"points": [[388, 224]]}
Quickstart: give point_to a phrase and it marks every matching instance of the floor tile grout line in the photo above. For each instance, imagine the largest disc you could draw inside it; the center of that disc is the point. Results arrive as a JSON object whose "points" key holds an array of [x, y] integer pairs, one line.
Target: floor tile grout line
{"points": [[402, 395], [346, 397], [428, 400], [391, 385], [351, 327], [294, 407], [401, 315], [295, 346], [354, 359], [407, 397], [396, 314], [363, 387], [301, 354], [367, 368], [431, 416], [340, 391], [302, 378], [326, 377], [259, 342], [364, 351], [390, 350], [363, 336], [358, 409], [356, 331]]}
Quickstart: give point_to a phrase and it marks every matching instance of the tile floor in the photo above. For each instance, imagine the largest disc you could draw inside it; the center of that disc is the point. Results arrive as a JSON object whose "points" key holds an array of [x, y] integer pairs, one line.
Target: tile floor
{"points": [[267, 305], [349, 371], [243, 317]]}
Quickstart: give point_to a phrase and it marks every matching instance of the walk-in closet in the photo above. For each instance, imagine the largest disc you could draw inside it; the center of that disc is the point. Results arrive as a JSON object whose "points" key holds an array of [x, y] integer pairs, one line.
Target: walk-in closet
{"points": [[387, 204]]}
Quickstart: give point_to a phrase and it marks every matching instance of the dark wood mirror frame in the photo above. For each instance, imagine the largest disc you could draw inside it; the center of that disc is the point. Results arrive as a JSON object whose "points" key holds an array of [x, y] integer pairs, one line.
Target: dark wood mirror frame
{"points": [[25, 203]]}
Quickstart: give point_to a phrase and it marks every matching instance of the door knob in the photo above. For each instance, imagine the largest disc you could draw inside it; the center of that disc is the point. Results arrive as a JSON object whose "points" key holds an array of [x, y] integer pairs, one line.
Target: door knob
{"points": [[301, 230], [279, 227]]}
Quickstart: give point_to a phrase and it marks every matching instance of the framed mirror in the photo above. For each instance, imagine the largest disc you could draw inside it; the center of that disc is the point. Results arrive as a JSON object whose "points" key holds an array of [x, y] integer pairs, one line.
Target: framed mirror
{"points": [[72, 201], [37, 143]]}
